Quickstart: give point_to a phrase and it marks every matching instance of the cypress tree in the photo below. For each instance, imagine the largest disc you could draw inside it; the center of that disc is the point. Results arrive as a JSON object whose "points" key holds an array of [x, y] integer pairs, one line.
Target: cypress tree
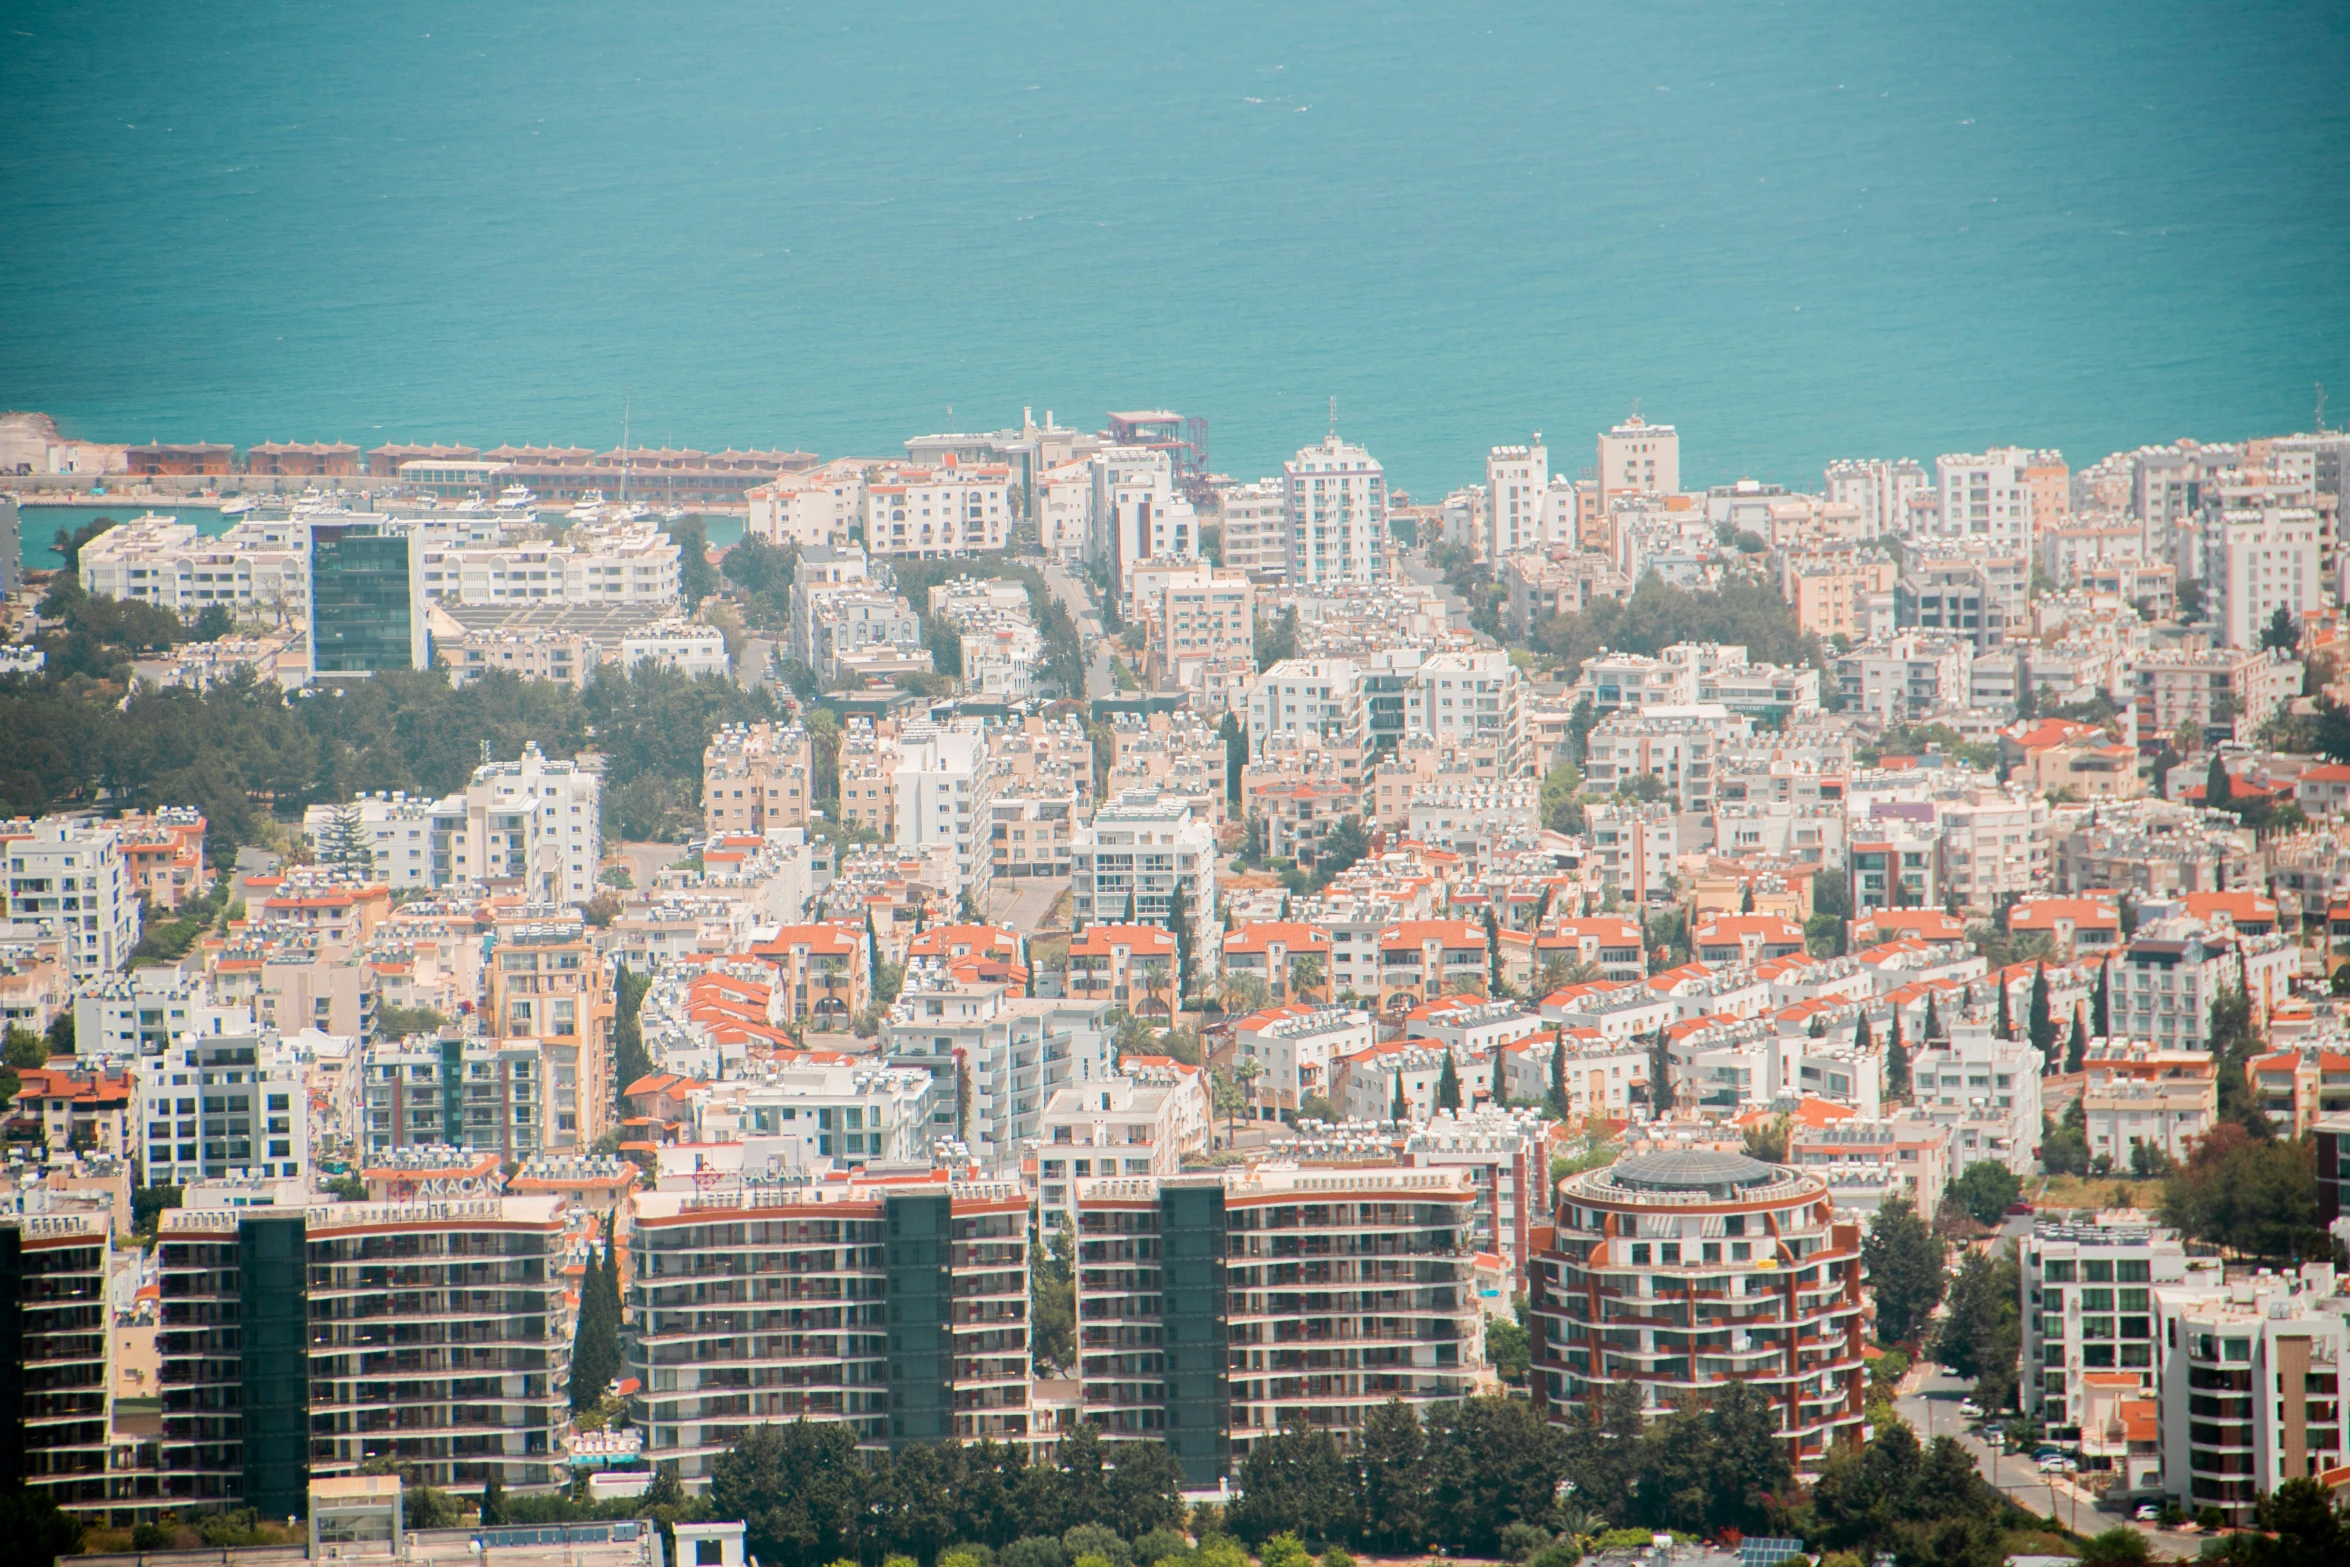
{"points": [[2040, 1027], [2076, 1054], [1558, 1073], [1448, 1086], [2101, 1017], [1399, 1111], [2004, 1026], [1862, 1039], [1897, 1057], [1492, 954], [595, 1347], [1933, 1020]]}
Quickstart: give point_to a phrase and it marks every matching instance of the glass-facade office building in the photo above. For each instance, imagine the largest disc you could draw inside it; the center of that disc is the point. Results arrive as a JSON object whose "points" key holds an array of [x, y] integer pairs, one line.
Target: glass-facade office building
{"points": [[366, 599]]}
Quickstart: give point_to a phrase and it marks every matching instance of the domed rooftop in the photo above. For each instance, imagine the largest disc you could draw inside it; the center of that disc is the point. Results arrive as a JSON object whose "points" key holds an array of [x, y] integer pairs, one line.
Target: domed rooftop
{"points": [[1694, 1170]]}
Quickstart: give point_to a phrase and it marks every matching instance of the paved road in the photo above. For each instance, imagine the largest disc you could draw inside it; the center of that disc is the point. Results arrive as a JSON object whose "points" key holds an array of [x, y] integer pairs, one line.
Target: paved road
{"points": [[646, 860], [1077, 598], [1932, 1410]]}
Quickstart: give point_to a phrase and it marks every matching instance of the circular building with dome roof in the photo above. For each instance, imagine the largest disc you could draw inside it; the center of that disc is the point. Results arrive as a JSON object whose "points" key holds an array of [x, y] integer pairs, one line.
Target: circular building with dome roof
{"points": [[1683, 1269]]}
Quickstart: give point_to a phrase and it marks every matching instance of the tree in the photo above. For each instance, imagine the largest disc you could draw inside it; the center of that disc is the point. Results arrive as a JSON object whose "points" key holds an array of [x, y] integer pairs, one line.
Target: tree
{"points": [[2282, 632], [2252, 1196], [1052, 1302], [1277, 642], [1660, 1075], [343, 843], [696, 578], [2005, 1024], [630, 1060], [1235, 756], [2218, 788], [1492, 1462], [2027, 699], [1394, 1478], [1448, 1086], [1985, 1189], [595, 1337], [2102, 1015], [2038, 1025], [799, 1491], [1862, 1040], [1767, 1139], [1981, 1335], [1897, 1056], [2076, 1053], [1558, 1073], [1295, 1482], [213, 622], [1934, 1029], [1903, 1258], [1179, 922]]}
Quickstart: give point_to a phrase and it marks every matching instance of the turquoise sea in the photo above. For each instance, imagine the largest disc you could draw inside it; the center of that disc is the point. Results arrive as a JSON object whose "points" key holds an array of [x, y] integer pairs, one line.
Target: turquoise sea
{"points": [[1798, 231]]}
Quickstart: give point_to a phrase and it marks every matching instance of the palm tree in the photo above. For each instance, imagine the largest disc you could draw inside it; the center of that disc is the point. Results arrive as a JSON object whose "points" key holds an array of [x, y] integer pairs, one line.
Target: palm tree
{"points": [[1245, 1075]]}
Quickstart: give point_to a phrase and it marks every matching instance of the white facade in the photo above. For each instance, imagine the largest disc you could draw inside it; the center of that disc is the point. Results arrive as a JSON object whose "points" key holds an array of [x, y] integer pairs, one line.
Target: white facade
{"points": [[1877, 489], [1136, 514], [222, 1104], [689, 647], [70, 878], [138, 1013], [629, 564], [2088, 1309], [2251, 1392], [807, 1116], [1312, 698], [1987, 1091], [1517, 481], [953, 509], [1256, 529], [1118, 1126], [1064, 500], [944, 781], [532, 820], [1639, 458], [1337, 514], [1144, 845], [815, 507], [256, 574], [2257, 561], [1987, 499]]}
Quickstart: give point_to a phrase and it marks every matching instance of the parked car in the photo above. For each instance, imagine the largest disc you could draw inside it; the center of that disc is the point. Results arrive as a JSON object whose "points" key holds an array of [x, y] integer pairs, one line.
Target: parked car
{"points": [[1969, 1408], [2147, 1513], [2019, 1206], [2051, 1465]]}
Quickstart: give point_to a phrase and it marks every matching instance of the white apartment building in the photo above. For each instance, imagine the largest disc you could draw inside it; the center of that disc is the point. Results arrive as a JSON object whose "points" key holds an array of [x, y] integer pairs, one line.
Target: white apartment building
{"points": [[1995, 497], [1063, 503], [1336, 514], [1987, 1091], [138, 1013], [1681, 747], [1295, 1046], [1018, 1051], [806, 1117], [2165, 979], [1143, 844], [1639, 458], [942, 785], [1002, 661], [1906, 674], [1139, 1124], [955, 508], [2167, 1114], [1517, 479], [687, 646], [815, 507], [1904, 1155], [1475, 699], [2251, 1388], [69, 877], [2257, 561], [755, 777], [2088, 1310], [532, 820], [218, 1104], [1256, 529], [1994, 844], [1308, 698], [1136, 513], [1637, 847], [255, 573], [1878, 490], [628, 564]]}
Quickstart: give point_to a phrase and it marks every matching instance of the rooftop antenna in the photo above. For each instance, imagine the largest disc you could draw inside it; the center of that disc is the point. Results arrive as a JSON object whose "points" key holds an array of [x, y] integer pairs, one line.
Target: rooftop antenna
{"points": [[2321, 408]]}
